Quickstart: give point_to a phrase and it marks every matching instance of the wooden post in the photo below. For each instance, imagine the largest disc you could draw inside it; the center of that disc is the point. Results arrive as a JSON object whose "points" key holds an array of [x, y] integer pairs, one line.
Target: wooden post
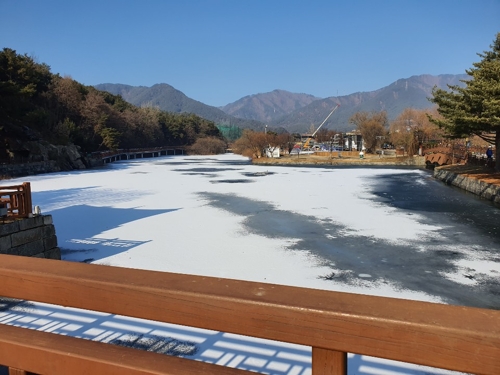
{"points": [[328, 362], [27, 199]]}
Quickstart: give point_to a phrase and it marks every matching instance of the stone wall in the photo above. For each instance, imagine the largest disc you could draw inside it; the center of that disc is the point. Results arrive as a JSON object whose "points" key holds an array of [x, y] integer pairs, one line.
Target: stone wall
{"points": [[28, 169], [32, 237], [43, 157], [483, 189]]}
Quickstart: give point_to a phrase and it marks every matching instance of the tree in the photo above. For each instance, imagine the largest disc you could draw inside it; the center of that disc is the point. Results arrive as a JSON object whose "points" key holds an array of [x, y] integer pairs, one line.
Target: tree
{"points": [[372, 126], [251, 144], [475, 108], [413, 128], [208, 146], [325, 135], [23, 82]]}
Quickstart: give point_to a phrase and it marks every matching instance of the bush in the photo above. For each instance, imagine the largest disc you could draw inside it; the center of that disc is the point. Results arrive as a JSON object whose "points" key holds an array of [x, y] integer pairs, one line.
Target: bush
{"points": [[208, 146]]}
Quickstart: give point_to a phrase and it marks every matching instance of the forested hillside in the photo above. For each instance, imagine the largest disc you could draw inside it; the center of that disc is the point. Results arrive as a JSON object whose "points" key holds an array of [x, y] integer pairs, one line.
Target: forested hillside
{"points": [[285, 111], [167, 98], [37, 105]]}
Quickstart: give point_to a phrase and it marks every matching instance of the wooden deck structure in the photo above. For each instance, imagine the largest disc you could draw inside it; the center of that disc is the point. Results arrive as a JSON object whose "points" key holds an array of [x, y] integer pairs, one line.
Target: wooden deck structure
{"points": [[17, 200], [138, 153], [332, 323]]}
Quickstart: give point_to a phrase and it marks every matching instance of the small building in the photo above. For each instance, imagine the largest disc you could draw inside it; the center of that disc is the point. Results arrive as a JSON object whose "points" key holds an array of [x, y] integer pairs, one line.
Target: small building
{"points": [[272, 152]]}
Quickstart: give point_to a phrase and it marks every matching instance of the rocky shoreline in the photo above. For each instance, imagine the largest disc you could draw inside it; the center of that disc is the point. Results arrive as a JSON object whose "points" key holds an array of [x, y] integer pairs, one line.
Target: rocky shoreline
{"points": [[473, 179], [43, 157]]}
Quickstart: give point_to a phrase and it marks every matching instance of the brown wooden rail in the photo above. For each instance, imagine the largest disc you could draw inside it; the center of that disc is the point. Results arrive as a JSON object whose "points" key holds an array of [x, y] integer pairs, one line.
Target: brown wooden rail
{"points": [[332, 323], [17, 199]]}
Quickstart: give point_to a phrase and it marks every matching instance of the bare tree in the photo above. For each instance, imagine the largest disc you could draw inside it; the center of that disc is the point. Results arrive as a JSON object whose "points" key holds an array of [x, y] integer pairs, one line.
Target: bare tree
{"points": [[251, 144], [412, 129], [372, 126], [208, 146]]}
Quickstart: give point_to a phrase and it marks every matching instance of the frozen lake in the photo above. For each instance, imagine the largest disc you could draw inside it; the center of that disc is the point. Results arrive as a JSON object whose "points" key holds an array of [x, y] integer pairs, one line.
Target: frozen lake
{"points": [[388, 232]]}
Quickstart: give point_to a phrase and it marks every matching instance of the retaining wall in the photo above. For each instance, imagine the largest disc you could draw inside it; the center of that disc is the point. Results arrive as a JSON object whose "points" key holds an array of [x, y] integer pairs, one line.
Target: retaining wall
{"points": [[483, 189], [32, 237], [34, 168]]}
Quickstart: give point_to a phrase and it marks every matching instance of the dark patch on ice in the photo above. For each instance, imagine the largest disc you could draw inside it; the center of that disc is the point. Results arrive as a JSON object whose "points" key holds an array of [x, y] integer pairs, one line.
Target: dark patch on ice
{"points": [[231, 181], [211, 175], [257, 174], [403, 265], [205, 170], [449, 254], [450, 205], [344, 277]]}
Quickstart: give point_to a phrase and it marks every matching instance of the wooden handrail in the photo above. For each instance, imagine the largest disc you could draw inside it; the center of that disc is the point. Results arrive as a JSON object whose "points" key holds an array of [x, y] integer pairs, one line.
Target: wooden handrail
{"points": [[17, 199], [332, 323], [47, 353]]}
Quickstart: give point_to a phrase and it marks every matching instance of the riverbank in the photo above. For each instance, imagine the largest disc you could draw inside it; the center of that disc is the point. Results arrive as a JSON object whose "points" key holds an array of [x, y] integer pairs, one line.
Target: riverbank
{"points": [[348, 158], [479, 180]]}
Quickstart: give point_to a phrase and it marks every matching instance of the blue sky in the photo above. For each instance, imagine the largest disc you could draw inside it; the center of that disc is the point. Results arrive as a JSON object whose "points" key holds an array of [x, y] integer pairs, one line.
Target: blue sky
{"points": [[217, 51]]}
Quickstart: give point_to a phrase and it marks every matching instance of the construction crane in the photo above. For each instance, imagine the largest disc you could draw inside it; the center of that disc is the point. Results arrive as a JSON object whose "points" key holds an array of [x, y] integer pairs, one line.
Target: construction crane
{"points": [[306, 143]]}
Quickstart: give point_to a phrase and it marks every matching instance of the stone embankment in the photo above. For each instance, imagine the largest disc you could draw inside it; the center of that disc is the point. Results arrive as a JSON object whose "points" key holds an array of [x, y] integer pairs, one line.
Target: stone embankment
{"points": [[32, 237], [472, 179], [45, 158]]}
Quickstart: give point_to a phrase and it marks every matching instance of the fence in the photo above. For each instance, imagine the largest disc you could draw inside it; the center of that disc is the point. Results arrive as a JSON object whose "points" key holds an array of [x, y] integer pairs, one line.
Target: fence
{"points": [[332, 323], [481, 159], [16, 200]]}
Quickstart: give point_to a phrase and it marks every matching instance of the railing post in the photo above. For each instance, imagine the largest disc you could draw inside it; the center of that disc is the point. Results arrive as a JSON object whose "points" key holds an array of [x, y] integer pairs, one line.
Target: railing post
{"points": [[28, 209], [328, 362]]}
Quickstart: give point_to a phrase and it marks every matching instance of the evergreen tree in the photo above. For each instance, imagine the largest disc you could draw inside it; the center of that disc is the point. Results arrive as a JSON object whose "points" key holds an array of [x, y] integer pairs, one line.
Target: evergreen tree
{"points": [[475, 108]]}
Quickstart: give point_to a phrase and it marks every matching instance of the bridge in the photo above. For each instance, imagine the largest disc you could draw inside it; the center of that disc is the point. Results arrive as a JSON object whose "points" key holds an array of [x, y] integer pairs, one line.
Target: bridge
{"points": [[137, 153], [332, 323]]}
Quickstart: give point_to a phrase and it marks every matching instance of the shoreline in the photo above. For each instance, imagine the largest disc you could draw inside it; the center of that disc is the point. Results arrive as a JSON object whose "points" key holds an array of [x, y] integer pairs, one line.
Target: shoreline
{"points": [[368, 160]]}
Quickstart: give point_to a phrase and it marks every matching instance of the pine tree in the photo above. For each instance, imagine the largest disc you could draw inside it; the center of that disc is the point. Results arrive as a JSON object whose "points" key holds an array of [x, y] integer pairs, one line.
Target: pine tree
{"points": [[475, 108]]}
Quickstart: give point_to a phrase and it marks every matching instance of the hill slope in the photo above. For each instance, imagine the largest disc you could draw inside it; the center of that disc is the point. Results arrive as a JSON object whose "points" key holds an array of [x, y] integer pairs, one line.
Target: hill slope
{"points": [[290, 111], [169, 99], [268, 106], [404, 93]]}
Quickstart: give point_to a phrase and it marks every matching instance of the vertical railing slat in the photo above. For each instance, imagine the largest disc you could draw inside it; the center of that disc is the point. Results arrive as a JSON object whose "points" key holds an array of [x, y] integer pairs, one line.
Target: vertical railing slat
{"points": [[328, 362]]}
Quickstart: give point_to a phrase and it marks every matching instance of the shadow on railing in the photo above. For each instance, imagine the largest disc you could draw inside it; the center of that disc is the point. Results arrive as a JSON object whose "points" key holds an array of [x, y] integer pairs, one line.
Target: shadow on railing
{"points": [[15, 201], [332, 323]]}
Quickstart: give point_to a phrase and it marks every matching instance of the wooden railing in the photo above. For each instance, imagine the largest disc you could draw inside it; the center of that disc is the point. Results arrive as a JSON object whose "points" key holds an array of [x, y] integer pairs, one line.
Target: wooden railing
{"points": [[16, 199], [332, 323]]}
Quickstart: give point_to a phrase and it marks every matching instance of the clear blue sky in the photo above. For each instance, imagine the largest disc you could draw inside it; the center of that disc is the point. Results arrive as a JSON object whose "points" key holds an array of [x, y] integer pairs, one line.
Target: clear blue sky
{"points": [[217, 51]]}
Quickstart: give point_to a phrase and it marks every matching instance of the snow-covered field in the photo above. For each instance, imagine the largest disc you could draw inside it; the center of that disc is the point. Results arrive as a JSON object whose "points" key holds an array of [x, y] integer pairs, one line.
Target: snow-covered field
{"points": [[203, 215]]}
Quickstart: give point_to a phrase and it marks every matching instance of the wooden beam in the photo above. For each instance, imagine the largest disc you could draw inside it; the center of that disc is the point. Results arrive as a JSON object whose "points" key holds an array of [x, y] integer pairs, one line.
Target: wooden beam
{"points": [[16, 371], [451, 337], [48, 353]]}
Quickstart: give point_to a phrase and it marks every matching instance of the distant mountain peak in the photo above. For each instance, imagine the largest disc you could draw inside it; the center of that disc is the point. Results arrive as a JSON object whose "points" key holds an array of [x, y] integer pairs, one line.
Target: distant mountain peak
{"points": [[269, 106], [291, 111]]}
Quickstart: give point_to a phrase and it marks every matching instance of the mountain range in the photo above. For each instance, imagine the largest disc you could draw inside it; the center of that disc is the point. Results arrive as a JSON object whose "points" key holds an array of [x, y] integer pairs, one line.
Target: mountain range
{"points": [[292, 112]]}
